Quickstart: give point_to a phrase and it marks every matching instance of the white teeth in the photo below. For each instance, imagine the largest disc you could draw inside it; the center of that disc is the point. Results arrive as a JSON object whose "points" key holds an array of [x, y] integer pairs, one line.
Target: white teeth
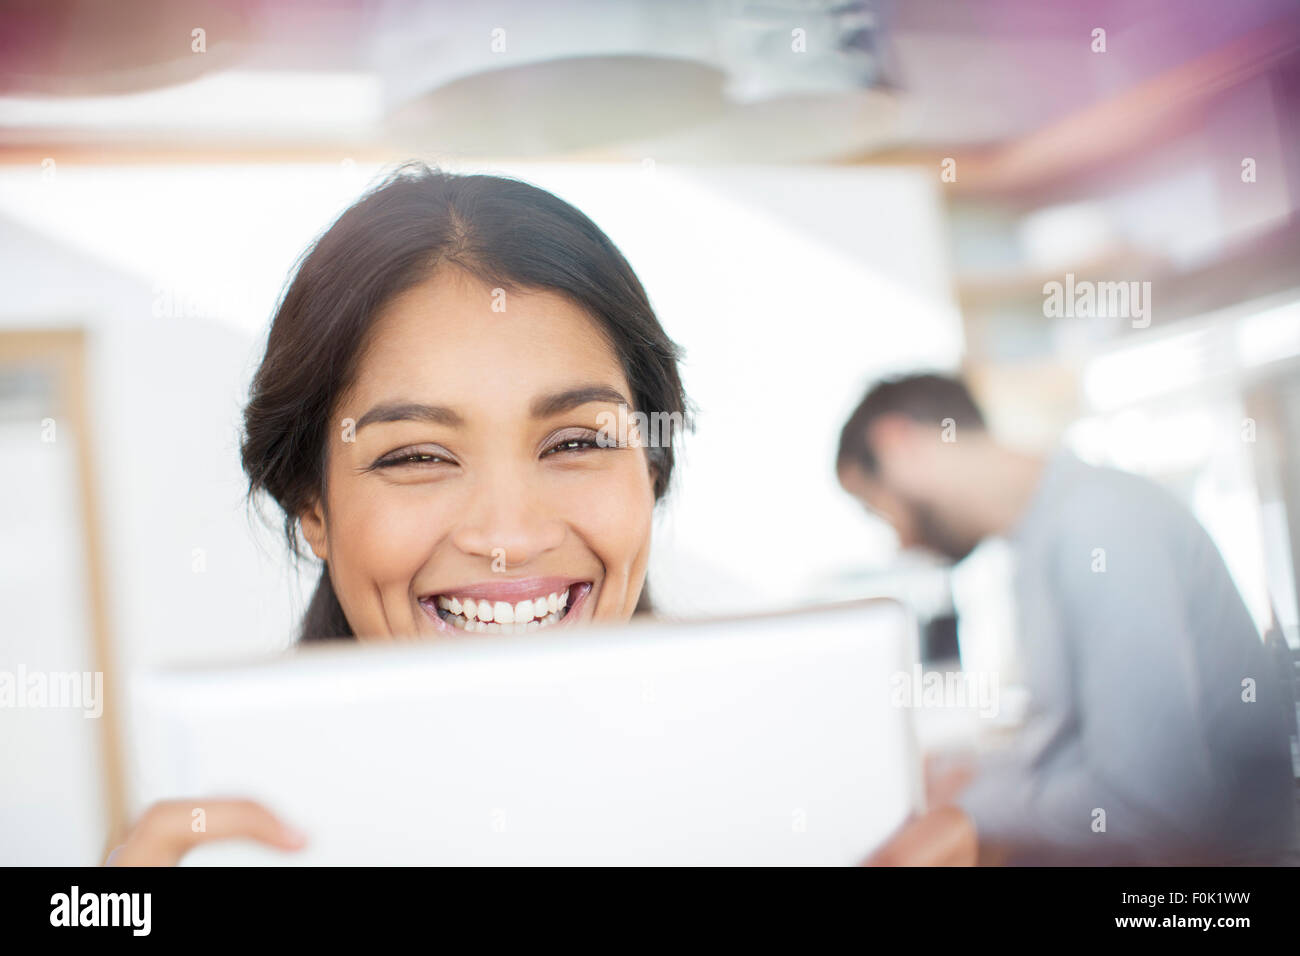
{"points": [[496, 627], [501, 617]]}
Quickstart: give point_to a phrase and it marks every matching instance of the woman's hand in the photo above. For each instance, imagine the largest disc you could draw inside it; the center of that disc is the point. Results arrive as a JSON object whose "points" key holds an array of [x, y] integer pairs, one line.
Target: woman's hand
{"points": [[944, 836], [165, 832]]}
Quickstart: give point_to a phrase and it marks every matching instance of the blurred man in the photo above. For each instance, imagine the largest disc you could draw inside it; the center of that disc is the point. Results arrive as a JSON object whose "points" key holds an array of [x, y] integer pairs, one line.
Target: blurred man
{"points": [[1157, 728]]}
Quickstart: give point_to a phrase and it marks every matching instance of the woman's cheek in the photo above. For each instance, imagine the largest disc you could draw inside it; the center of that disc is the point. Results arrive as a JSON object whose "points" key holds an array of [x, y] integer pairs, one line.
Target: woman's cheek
{"points": [[379, 544], [397, 535], [614, 517], [615, 509]]}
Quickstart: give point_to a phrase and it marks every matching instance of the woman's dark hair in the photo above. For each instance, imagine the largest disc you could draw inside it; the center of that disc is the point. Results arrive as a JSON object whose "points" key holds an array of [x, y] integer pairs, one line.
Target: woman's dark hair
{"points": [[507, 234]]}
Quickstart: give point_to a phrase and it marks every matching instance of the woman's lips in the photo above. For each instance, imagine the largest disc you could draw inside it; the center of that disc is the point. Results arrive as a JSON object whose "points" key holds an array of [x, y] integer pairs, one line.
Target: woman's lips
{"points": [[509, 589], [524, 598]]}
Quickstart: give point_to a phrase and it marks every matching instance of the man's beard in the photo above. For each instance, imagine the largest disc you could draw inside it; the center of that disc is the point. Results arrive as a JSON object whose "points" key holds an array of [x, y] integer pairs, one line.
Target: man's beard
{"points": [[935, 535]]}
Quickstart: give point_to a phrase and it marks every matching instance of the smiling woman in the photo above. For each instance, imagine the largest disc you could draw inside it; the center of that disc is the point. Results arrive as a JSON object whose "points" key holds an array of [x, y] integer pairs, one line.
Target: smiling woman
{"points": [[429, 409]]}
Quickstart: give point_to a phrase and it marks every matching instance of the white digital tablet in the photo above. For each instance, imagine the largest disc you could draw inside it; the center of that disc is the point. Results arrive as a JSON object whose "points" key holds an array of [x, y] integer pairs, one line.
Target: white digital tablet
{"points": [[762, 740]]}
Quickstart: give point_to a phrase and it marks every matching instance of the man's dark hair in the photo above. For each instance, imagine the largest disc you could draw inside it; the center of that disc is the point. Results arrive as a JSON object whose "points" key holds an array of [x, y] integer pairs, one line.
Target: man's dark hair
{"points": [[922, 398]]}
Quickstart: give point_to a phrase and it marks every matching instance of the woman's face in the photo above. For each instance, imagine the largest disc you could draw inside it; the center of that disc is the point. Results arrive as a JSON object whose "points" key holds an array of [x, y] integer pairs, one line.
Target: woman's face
{"points": [[470, 493]]}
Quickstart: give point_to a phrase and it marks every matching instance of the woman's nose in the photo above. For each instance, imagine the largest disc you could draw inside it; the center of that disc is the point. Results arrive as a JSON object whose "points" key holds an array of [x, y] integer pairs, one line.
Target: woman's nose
{"points": [[506, 521]]}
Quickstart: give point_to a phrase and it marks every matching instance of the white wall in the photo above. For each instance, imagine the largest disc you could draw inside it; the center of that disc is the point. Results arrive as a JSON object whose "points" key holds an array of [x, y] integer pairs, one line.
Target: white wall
{"points": [[164, 398], [51, 793]]}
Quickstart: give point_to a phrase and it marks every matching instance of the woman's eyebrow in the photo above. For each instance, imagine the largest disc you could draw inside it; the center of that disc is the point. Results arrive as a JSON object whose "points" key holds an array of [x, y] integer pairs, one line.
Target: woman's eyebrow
{"points": [[556, 403], [410, 412]]}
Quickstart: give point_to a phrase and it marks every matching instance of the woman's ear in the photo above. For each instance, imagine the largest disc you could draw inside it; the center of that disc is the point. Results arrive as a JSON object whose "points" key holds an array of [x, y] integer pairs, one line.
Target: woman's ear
{"points": [[312, 520]]}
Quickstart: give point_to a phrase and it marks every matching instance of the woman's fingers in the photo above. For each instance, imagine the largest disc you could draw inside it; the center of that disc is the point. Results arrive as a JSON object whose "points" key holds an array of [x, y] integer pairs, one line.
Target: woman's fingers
{"points": [[171, 828], [942, 837]]}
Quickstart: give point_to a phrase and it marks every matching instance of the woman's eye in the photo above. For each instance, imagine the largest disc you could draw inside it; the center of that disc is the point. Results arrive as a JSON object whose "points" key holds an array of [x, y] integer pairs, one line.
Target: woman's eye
{"points": [[410, 457], [572, 444]]}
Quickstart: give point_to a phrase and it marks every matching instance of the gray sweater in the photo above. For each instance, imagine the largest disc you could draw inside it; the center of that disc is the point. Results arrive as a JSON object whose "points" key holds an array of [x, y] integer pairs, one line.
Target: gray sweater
{"points": [[1142, 743]]}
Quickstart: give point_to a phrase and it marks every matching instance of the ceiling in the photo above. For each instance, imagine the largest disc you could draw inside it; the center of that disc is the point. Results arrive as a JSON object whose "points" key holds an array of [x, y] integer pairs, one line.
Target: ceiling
{"points": [[674, 79]]}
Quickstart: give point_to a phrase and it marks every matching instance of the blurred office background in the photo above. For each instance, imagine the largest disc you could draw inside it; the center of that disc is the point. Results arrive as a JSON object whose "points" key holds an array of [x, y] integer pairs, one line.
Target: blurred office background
{"points": [[815, 194]]}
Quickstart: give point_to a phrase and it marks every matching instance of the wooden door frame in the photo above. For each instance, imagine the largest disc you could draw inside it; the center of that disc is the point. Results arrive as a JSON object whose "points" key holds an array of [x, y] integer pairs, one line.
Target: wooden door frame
{"points": [[63, 352]]}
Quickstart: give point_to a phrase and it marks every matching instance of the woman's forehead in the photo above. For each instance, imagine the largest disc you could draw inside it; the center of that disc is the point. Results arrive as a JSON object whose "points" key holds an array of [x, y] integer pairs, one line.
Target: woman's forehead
{"points": [[443, 342]]}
